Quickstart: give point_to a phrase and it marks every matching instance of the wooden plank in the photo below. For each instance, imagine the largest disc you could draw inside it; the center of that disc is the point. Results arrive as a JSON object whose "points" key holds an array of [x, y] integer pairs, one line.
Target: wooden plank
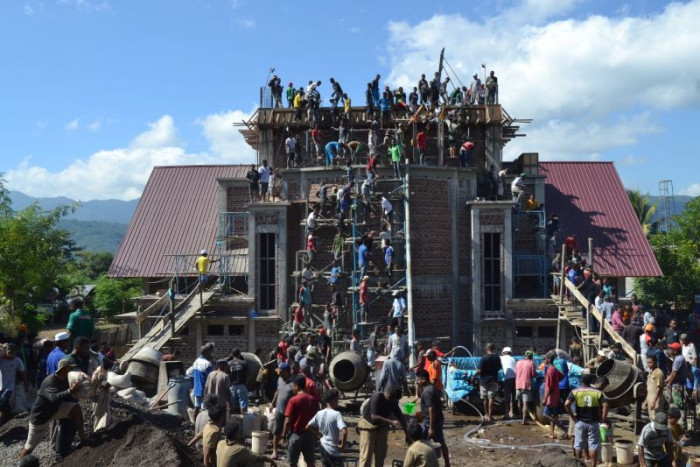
{"points": [[151, 309]]}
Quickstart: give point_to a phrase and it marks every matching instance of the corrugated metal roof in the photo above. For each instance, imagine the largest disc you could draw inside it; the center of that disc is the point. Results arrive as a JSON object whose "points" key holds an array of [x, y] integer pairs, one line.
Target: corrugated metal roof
{"points": [[590, 201], [177, 214]]}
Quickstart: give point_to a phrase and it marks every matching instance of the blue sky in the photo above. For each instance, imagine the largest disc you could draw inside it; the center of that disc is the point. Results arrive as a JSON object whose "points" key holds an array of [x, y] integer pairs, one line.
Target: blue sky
{"points": [[96, 92]]}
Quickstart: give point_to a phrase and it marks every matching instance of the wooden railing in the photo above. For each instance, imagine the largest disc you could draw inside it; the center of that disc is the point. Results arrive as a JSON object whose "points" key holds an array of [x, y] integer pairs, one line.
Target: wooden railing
{"points": [[160, 303], [594, 313]]}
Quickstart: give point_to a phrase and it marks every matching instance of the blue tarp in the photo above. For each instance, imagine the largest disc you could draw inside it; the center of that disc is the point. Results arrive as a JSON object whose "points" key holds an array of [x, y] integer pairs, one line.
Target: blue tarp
{"points": [[458, 371]]}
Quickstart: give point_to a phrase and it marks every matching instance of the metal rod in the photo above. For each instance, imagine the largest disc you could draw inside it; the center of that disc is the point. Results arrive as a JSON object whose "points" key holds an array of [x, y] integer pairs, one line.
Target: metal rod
{"points": [[409, 280]]}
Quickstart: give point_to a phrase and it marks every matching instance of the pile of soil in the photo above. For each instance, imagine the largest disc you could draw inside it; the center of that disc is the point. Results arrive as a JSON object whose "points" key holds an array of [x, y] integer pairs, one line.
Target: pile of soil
{"points": [[132, 442], [553, 456]]}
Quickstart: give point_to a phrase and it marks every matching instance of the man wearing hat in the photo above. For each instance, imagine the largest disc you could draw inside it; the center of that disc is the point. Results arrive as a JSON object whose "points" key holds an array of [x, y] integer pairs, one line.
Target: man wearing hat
{"points": [[508, 364], [62, 340], [655, 442], [397, 309], [595, 362], [203, 264], [54, 402]]}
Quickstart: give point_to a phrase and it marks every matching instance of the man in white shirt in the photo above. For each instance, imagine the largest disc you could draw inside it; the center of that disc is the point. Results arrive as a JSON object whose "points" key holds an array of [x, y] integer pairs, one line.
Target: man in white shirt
{"points": [[397, 309], [517, 188], [387, 210], [311, 220], [333, 429], [290, 145], [689, 353], [264, 172], [508, 364]]}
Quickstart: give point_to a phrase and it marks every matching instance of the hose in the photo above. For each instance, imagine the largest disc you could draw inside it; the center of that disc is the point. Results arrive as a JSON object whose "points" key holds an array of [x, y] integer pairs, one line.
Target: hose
{"points": [[485, 443]]}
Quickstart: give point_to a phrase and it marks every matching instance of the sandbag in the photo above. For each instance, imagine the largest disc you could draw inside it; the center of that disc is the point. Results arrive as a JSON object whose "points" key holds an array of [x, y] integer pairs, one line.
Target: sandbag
{"points": [[119, 381], [85, 387]]}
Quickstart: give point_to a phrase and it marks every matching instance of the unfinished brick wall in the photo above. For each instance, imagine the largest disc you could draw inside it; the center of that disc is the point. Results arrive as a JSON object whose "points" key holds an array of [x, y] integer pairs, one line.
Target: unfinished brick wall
{"points": [[432, 310]]}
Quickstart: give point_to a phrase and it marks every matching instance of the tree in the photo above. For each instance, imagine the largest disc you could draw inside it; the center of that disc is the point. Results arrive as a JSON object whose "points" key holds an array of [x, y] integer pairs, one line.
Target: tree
{"points": [[113, 296], [678, 254], [643, 209], [33, 251]]}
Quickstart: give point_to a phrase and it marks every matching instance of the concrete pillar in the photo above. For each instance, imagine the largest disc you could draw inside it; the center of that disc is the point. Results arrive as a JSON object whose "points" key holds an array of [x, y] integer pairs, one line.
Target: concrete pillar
{"points": [[250, 327], [453, 203], [476, 277]]}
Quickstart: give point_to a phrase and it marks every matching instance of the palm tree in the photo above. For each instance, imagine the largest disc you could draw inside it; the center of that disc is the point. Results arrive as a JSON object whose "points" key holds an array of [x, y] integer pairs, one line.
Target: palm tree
{"points": [[643, 209]]}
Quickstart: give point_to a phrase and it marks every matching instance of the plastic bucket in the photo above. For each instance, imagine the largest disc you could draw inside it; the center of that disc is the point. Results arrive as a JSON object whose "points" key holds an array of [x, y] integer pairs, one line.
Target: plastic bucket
{"points": [[625, 452], [259, 441], [409, 408], [606, 453], [605, 433]]}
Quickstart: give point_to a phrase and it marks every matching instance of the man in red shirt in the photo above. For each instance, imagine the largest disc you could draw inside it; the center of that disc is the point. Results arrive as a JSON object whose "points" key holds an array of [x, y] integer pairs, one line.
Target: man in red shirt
{"points": [[298, 318], [571, 244], [422, 143], [465, 153], [551, 393], [524, 372], [364, 299], [301, 408], [316, 138]]}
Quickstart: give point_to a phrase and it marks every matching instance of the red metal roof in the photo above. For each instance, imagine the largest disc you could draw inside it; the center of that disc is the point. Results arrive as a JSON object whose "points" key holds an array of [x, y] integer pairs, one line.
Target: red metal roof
{"points": [[177, 214], [590, 201]]}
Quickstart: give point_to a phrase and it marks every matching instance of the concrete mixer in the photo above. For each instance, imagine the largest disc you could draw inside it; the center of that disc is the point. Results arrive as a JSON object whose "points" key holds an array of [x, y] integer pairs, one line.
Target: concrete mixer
{"points": [[625, 382], [348, 371]]}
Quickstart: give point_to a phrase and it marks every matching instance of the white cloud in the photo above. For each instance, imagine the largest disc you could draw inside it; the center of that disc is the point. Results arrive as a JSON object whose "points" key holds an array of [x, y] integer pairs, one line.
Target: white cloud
{"points": [[28, 10], [73, 124], [87, 5], [568, 75], [631, 160], [692, 190], [246, 23], [95, 126], [162, 133], [122, 173]]}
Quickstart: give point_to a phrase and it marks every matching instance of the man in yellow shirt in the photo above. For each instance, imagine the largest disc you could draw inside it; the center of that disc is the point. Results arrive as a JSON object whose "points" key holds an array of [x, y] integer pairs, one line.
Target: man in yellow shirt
{"points": [[203, 264], [211, 434], [297, 105], [531, 204]]}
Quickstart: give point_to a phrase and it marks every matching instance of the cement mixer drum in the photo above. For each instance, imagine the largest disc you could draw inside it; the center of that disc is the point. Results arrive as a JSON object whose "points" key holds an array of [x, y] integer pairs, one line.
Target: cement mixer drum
{"points": [[348, 371]]}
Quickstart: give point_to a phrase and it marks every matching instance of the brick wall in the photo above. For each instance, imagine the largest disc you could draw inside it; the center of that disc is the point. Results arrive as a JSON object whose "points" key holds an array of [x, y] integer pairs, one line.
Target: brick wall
{"points": [[432, 309], [431, 233]]}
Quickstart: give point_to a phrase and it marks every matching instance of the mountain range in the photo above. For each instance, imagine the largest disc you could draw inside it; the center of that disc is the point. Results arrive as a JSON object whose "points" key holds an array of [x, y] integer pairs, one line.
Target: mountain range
{"points": [[96, 226]]}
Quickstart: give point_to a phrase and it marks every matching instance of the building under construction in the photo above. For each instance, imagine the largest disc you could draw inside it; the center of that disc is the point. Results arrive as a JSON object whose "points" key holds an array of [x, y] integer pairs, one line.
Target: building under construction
{"points": [[474, 268]]}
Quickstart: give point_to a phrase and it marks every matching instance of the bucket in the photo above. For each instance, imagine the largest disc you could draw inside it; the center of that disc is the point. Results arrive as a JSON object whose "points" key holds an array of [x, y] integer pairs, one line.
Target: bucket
{"points": [[409, 408], [625, 452], [178, 394], [259, 443], [605, 433], [606, 453]]}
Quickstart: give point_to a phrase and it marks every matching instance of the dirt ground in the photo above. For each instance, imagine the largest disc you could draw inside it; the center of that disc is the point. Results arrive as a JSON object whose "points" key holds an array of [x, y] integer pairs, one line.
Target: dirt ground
{"points": [[157, 439]]}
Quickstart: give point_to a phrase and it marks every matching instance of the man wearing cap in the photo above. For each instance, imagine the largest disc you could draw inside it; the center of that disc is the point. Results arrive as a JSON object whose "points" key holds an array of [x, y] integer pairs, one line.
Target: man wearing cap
{"points": [[279, 402], [80, 322], [301, 408], [655, 443], [595, 362], [524, 373], [397, 309], [54, 402], [239, 380], [219, 384], [508, 365], [203, 264], [677, 379]]}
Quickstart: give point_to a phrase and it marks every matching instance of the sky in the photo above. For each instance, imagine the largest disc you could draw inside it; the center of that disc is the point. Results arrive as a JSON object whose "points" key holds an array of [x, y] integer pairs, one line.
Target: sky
{"points": [[94, 93]]}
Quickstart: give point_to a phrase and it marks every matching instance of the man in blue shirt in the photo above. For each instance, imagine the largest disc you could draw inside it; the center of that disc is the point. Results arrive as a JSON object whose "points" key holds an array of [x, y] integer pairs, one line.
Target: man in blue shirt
{"points": [[199, 370], [62, 340], [335, 272], [385, 107], [362, 259], [333, 148], [389, 258]]}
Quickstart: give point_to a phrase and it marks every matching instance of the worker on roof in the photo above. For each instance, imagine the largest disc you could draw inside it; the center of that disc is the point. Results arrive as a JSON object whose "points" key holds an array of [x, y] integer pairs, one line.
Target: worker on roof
{"points": [[297, 104], [422, 144], [474, 89], [492, 88], [443, 89], [375, 90], [337, 94], [333, 149], [290, 93], [465, 153], [385, 104]]}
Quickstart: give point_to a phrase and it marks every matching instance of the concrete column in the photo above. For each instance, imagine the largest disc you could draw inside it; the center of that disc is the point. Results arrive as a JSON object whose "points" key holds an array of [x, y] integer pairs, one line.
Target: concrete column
{"points": [[508, 253], [282, 280], [250, 327], [476, 276], [252, 259], [453, 203]]}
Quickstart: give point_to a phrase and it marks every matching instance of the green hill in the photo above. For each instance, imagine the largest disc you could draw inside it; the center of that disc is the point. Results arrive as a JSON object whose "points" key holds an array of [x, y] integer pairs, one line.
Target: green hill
{"points": [[95, 236]]}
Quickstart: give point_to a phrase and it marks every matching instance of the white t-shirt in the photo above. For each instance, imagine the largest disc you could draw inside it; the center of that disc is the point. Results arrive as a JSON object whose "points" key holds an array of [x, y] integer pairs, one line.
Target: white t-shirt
{"points": [[291, 144], [386, 206], [311, 220], [516, 184], [329, 422], [689, 353], [399, 306], [508, 364], [264, 174], [8, 373]]}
